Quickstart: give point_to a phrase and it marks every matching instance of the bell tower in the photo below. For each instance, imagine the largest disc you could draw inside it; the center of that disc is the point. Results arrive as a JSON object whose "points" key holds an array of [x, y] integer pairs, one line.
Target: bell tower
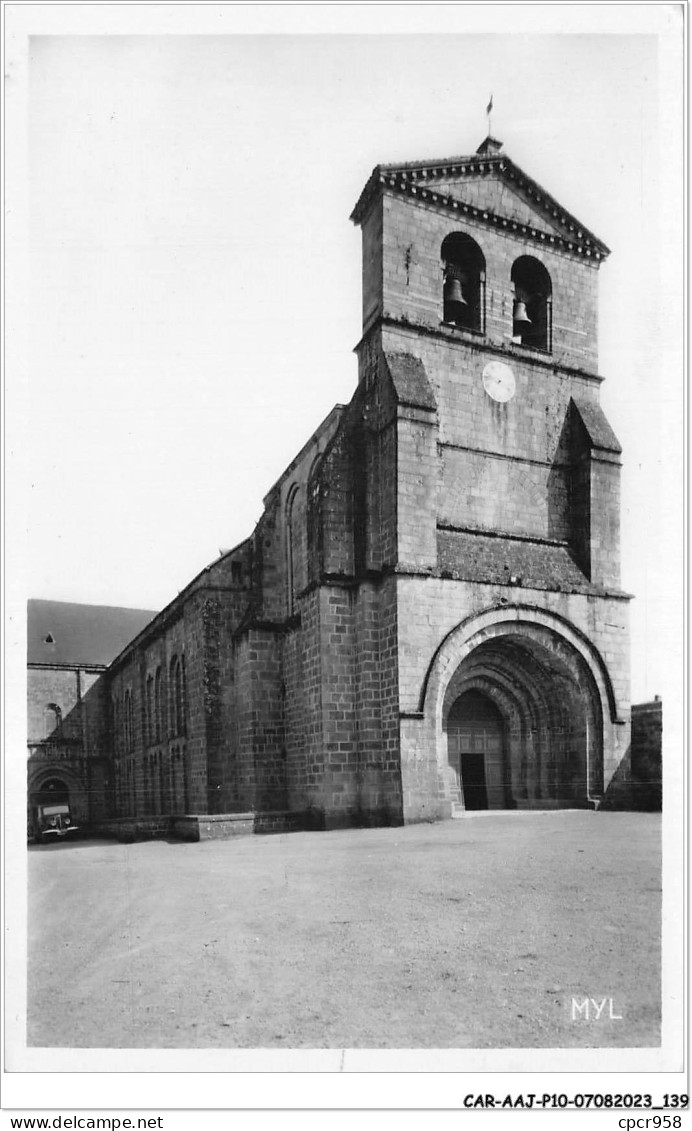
{"points": [[480, 321]]}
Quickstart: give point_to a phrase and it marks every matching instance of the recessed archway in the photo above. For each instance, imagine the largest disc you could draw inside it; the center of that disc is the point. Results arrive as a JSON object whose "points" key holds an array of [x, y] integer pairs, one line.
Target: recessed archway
{"points": [[551, 690], [532, 716], [58, 784]]}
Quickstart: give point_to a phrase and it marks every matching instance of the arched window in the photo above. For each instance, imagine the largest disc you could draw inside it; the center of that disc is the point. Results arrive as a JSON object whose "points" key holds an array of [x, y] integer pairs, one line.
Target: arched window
{"points": [[532, 316], [129, 729], [150, 710], [291, 563], [158, 705], [118, 737], [114, 725], [52, 720], [183, 695], [464, 283], [177, 696]]}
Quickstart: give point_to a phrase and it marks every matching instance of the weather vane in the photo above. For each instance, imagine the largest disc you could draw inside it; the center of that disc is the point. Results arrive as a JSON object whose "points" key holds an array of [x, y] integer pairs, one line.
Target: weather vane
{"points": [[489, 110]]}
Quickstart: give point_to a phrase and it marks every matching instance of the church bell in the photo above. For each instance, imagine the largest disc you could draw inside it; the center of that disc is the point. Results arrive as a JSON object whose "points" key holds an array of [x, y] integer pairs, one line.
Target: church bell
{"points": [[454, 300], [520, 314]]}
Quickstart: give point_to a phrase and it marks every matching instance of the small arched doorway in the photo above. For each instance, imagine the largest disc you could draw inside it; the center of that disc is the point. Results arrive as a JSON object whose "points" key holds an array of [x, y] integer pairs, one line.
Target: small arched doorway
{"points": [[476, 745], [49, 807]]}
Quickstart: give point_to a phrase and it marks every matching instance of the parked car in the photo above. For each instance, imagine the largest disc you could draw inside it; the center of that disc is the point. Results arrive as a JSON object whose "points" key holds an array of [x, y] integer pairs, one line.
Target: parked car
{"points": [[51, 821]]}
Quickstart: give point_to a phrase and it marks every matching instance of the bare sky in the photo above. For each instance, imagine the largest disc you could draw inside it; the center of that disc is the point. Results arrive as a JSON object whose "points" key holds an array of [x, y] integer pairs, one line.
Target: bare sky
{"points": [[194, 280]]}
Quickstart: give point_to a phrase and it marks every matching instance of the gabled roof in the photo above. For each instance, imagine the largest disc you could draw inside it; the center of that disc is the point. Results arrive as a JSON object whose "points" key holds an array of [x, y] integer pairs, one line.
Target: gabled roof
{"points": [[441, 183], [61, 633]]}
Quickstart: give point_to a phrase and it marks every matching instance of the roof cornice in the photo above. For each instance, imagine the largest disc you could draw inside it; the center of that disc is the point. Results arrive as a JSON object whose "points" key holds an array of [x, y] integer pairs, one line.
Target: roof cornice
{"points": [[401, 179]]}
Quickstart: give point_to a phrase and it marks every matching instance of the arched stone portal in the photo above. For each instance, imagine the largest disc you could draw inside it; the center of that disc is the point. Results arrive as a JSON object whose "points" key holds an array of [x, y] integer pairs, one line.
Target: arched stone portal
{"points": [[549, 692], [60, 785], [542, 749]]}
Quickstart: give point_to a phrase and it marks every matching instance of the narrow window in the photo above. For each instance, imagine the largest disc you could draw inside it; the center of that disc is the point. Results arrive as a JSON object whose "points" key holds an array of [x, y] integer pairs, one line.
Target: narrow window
{"points": [[53, 720], [115, 720], [183, 696], [291, 549], [129, 729], [150, 710], [177, 696], [158, 693], [179, 699]]}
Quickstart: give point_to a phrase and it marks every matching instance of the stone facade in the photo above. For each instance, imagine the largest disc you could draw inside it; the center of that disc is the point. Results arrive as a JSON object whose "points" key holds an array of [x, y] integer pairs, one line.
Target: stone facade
{"points": [[428, 616], [68, 739], [68, 718]]}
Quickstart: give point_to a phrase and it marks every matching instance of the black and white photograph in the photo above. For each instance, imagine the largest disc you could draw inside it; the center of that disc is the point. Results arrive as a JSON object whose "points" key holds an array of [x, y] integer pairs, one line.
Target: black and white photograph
{"points": [[344, 539]]}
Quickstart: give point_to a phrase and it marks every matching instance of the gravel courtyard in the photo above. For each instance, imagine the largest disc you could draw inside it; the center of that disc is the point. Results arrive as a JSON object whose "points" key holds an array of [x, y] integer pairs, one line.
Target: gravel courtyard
{"points": [[470, 933]]}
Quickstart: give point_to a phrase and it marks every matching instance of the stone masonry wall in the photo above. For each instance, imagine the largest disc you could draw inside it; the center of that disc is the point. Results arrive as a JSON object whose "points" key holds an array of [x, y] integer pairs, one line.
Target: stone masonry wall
{"points": [[285, 539], [647, 770], [342, 706], [505, 467], [222, 611], [430, 608], [418, 481], [412, 236], [60, 686], [75, 749]]}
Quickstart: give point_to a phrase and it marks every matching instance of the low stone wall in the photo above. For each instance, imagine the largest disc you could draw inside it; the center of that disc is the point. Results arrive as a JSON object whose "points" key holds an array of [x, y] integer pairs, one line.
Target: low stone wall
{"points": [[128, 829], [203, 826], [285, 821]]}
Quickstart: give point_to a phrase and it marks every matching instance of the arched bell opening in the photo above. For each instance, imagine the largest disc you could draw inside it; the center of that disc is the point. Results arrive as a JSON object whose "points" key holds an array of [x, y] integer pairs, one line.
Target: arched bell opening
{"points": [[463, 265], [525, 720], [532, 307]]}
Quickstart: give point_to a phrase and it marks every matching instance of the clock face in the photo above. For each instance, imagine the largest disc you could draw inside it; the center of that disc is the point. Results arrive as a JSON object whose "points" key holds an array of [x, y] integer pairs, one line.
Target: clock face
{"points": [[498, 381]]}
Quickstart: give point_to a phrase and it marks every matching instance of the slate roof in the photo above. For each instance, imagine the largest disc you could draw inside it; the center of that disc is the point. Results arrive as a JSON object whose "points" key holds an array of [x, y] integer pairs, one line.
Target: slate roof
{"points": [[496, 560], [81, 634], [409, 178]]}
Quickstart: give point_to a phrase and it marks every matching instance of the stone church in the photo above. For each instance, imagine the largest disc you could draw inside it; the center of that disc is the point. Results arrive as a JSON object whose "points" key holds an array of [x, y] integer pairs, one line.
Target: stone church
{"points": [[428, 616]]}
